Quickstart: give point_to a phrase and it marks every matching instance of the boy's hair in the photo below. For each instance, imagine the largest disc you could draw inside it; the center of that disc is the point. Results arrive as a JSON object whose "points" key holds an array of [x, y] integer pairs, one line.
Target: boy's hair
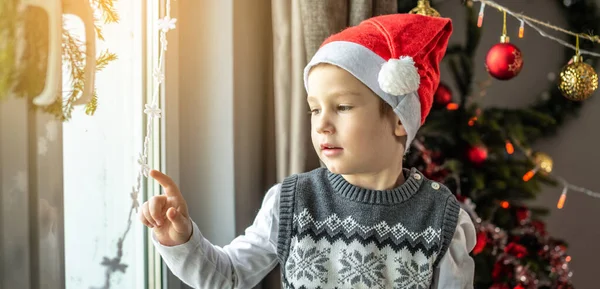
{"points": [[385, 109]]}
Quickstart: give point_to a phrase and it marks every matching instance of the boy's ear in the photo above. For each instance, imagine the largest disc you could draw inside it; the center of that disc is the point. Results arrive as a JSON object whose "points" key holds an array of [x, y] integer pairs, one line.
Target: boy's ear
{"points": [[399, 128]]}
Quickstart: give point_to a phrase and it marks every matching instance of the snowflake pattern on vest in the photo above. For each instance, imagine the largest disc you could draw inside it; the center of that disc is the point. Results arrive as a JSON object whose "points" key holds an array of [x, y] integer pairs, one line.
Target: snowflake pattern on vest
{"points": [[336, 235], [357, 268], [309, 264], [414, 275], [330, 262]]}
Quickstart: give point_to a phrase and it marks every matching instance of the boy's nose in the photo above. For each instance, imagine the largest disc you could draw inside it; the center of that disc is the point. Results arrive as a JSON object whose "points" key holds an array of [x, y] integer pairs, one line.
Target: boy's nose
{"points": [[324, 125]]}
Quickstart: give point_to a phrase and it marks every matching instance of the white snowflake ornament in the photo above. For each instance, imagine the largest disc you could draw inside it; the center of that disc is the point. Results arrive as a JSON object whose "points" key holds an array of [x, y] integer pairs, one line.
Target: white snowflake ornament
{"points": [[144, 165], [167, 23], [134, 198], [159, 77], [152, 109]]}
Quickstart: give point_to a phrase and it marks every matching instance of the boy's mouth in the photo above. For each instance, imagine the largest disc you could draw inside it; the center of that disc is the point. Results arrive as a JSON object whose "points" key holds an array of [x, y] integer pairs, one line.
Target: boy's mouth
{"points": [[330, 150], [326, 146]]}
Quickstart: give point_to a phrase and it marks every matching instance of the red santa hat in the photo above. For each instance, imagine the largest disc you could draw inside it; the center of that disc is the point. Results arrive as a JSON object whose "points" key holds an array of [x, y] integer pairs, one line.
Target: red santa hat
{"points": [[397, 56]]}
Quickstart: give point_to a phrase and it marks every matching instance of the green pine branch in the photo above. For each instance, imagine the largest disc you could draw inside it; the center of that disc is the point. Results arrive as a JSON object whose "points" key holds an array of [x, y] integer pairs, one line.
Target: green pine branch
{"points": [[28, 79]]}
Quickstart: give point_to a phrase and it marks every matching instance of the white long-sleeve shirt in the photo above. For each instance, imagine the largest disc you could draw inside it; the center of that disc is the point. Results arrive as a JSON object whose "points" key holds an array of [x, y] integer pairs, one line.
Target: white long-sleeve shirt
{"points": [[250, 257]]}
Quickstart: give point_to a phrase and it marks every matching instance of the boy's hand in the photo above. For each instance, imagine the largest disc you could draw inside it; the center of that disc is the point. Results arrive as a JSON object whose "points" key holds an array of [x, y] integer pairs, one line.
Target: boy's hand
{"points": [[167, 214]]}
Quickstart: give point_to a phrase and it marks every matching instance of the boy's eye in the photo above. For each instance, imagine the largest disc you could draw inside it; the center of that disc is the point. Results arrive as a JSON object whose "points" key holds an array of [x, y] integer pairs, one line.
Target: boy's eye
{"points": [[313, 111], [344, 107]]}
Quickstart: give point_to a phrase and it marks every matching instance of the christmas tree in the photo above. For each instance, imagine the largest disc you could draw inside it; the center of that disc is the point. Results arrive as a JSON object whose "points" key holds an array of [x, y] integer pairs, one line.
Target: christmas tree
{"points": [[484, 156]]}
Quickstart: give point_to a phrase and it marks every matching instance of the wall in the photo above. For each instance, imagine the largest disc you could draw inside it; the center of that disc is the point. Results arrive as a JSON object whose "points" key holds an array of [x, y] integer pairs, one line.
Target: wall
{"points": [[254, 127], [224, 75], [206, 116], [224, 79]]}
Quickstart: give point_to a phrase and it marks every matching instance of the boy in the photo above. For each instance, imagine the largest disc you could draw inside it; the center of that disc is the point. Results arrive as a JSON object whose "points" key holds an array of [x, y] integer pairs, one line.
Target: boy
{"points": [[363, 221]]}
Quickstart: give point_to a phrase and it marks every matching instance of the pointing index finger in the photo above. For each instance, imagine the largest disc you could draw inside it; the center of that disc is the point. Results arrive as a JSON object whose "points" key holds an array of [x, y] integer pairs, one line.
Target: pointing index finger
{"points": [[166, 182]]}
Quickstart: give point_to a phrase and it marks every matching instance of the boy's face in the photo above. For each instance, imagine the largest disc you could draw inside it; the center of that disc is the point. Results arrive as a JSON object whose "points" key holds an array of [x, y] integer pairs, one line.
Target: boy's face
{"points": [[348, 131]]}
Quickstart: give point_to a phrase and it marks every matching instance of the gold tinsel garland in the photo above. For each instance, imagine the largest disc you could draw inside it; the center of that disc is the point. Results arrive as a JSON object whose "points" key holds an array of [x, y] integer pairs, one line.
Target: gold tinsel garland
{"points": [[28, 79]]}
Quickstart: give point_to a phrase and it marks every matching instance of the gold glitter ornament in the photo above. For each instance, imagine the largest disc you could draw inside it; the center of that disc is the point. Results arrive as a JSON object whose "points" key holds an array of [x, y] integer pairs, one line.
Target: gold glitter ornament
{"points": [[543, 161], [424, 8], [578, 80]]}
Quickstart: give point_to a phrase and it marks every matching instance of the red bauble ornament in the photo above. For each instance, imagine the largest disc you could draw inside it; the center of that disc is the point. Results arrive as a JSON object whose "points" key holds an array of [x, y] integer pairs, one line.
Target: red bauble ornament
{"points": [[482, 240], [523, 215], [501, 271], [516, 250], [504, 60], [477, 154], [443, 95], [540, 227]]}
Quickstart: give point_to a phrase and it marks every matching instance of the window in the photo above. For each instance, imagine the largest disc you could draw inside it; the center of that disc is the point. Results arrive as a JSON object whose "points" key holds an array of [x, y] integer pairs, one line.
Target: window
{"points": [[100, 163], [67, 185]]}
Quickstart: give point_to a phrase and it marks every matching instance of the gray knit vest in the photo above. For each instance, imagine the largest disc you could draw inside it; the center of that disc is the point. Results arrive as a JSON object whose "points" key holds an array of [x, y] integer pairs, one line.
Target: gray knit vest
{"points": [[333, 234]]}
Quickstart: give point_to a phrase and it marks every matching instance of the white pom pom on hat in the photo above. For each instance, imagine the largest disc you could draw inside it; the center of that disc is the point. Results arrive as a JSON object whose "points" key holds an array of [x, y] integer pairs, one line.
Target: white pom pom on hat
{"points": [[399, 76]]}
